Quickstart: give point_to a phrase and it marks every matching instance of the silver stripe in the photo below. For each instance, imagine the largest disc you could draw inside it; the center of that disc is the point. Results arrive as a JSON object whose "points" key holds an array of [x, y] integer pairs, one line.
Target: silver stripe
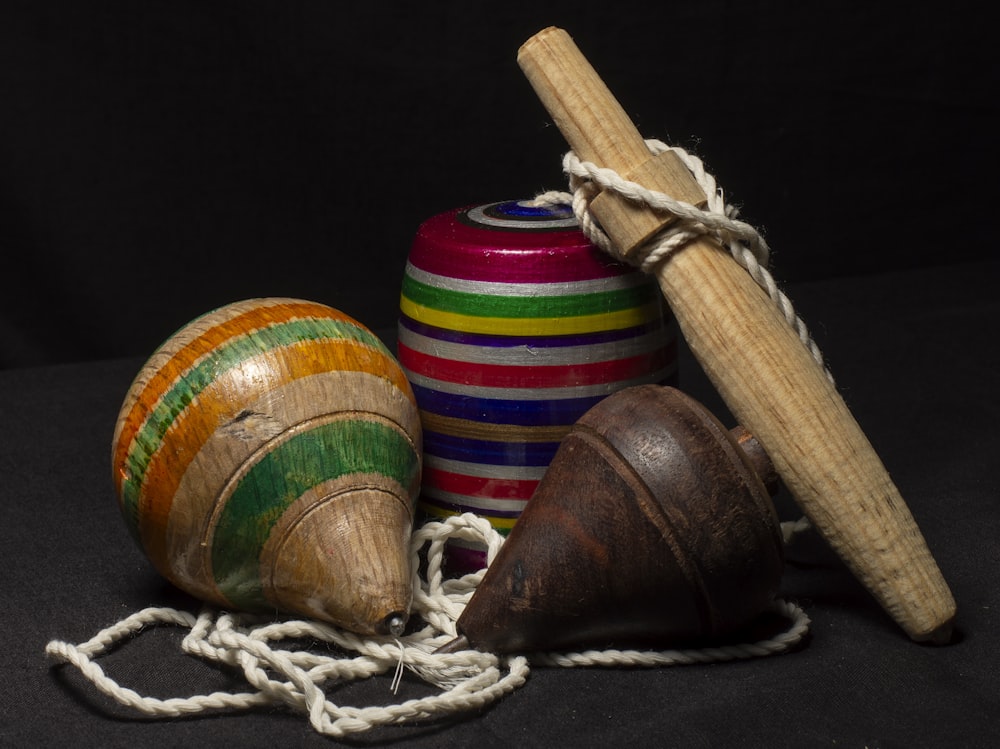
{"points": [[478, 214], [499, 288], [540, 356], [480, 503], [485, 470], [536, 394]]}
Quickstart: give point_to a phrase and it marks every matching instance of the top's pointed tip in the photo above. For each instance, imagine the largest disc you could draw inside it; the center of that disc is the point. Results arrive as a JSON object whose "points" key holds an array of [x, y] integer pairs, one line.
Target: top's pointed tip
{"points": [[394, 624]]}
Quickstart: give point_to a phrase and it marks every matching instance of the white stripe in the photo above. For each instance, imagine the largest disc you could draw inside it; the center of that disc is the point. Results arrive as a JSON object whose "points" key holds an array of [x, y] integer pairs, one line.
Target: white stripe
{"points": [[498, 288], [480, 503], [537, 356], [479, 216], [485, 470], [537, 394]]}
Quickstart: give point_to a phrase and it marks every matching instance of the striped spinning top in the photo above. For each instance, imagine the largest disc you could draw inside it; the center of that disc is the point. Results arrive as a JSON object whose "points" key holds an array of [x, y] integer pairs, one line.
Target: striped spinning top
{"points": [[512, 326], [267, 455]]}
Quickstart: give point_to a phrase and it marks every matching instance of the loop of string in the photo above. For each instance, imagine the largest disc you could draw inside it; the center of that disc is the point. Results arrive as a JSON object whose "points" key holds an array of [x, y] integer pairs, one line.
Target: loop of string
{"points": [[717, 220], [300, 679]]}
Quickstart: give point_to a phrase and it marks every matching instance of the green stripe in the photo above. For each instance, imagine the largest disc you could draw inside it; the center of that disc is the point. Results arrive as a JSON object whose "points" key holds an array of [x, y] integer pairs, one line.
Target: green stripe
{"points": [[281, 476], [224, 357], [566, 305]]}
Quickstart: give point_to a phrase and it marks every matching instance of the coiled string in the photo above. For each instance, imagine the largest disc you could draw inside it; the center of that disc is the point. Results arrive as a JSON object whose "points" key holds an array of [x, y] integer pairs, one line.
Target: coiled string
{"points": [[469, 679], [300, 679]]}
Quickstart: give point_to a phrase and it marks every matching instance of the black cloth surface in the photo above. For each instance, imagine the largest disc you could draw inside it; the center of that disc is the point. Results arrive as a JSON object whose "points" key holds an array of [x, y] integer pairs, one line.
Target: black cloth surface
{"points": [[915, 354]]}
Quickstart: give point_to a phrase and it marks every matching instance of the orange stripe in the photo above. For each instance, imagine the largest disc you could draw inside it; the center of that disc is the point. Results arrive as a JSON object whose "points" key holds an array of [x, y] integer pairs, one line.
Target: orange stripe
{"points": [[185, 357], [192, 427]]}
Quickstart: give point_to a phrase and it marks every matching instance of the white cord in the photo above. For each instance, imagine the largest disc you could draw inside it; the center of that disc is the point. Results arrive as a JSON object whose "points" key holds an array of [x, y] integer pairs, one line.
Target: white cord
{"points": [[717, 219], [467, 680]]}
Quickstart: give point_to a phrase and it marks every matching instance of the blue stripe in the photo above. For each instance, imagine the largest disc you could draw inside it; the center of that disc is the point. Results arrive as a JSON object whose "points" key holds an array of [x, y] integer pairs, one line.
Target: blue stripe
{"points": [[505, 341], [544, 412], [501, 411], [483, 451]]}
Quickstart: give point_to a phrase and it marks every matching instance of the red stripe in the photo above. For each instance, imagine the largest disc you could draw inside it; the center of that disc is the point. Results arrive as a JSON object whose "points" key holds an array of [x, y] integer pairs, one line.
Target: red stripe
{"points": [[560, 375], [479, 486], [447, 247]]}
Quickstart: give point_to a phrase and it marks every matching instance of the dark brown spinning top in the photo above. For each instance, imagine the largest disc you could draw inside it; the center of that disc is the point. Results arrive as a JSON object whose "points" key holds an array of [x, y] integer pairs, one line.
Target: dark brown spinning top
{"points": [[652, 526]]}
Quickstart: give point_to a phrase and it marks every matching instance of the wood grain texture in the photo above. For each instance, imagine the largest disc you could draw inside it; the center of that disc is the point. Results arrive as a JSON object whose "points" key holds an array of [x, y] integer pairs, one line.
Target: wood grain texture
{"points": [[267, 457], [766, 376], [650, 528]]}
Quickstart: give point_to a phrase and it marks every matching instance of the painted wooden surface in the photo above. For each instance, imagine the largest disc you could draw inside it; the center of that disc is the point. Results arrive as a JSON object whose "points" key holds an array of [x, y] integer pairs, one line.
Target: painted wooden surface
{"points": [[652, 527], [512, 326], [268, 456]]}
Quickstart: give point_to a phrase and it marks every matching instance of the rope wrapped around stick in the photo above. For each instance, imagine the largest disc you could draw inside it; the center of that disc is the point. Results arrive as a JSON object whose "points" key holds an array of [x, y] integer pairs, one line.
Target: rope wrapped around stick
{"points": [[717, 220], [772, 384]]}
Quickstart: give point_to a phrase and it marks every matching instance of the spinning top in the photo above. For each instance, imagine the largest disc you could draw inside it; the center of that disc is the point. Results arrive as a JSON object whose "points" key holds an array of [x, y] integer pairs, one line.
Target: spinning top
{"points": [[267, 457], [767, 377], [652, 526], [512, 325]]}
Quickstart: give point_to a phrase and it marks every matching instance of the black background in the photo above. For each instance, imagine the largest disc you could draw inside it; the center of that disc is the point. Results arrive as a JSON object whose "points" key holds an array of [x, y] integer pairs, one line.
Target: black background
{"points": [[159, 159]]}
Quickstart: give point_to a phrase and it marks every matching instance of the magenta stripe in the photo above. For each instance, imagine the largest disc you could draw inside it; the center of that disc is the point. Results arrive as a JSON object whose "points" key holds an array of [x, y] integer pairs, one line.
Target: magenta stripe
{"points": [[556, 256]]}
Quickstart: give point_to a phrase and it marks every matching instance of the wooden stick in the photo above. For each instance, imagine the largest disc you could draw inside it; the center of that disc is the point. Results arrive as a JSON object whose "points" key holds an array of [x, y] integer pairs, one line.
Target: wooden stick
{"points": [[755, 359]]}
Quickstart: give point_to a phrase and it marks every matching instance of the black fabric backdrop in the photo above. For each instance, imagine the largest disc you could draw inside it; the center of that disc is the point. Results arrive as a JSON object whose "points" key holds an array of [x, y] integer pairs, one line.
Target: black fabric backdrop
{"points": [[160, 159]]}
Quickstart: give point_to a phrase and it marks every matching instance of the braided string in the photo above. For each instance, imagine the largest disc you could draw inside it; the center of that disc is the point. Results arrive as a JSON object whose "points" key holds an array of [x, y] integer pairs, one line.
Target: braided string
{"points": [[299, 679], [717, 220]]}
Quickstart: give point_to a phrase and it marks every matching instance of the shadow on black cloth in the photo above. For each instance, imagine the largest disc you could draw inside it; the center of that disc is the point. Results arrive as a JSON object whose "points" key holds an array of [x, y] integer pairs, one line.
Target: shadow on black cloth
{"points": [[916, 354]]}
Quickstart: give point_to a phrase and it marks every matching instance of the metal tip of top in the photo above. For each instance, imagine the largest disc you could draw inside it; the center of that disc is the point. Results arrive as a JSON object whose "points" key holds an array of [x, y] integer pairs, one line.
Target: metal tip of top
{"points": [[459, 643], [394, 624]]}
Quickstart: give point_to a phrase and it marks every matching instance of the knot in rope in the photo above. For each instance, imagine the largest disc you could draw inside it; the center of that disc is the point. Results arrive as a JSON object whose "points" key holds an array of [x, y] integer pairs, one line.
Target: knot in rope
{"points": [[718, 220]]}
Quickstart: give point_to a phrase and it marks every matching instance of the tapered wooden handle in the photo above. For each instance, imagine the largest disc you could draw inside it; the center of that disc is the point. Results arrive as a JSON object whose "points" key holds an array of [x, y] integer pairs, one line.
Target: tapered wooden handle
{"points": [[769, 380]]}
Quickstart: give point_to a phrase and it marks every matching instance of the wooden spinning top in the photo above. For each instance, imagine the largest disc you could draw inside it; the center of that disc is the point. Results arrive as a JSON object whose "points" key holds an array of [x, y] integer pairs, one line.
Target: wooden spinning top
{"points": [[267, 457], [767, 377], [512, 324], [652, 526]]}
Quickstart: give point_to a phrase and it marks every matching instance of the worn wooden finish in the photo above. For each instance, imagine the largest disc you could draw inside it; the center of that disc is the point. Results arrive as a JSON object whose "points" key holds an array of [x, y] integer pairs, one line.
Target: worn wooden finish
{"points": [[267, 457], [651, 527], [766, 376]]}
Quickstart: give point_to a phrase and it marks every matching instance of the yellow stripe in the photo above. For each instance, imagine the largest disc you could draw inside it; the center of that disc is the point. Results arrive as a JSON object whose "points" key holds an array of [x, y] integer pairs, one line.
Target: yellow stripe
{"points": [[442, 514], [481, 430], [617, 320], [217, 405]]}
